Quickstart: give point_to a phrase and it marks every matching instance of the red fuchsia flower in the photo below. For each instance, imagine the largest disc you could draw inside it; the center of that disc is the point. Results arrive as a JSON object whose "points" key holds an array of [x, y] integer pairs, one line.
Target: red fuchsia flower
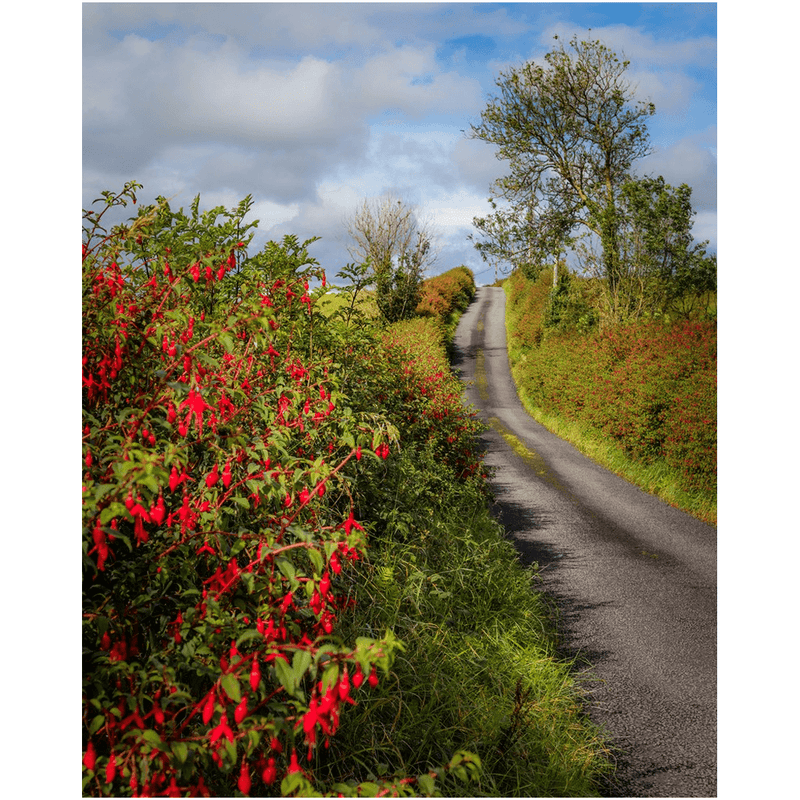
{"points": [[158, 511], [90, 757], [241, 711], [304, 496], [336, 565], [350, 523], [226, 474], [269, 774], [196, 406], [223, 729], [293, 765], [255, 675], [175, 480], [244, 782], [213, 476]]}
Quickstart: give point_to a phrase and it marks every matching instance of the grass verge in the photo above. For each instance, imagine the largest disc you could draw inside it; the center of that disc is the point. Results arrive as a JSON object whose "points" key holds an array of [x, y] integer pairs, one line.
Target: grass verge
{"points": [[479, 670]]}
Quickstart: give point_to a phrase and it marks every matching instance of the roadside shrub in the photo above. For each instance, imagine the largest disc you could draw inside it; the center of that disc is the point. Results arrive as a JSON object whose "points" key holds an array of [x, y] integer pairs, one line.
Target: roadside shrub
{"points": [[451, 291], [422, 397], [220, 544]]}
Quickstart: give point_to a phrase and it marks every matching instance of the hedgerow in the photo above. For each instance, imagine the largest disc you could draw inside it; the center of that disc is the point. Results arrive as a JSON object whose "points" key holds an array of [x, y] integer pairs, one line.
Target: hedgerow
{"points": [[651, 387]]}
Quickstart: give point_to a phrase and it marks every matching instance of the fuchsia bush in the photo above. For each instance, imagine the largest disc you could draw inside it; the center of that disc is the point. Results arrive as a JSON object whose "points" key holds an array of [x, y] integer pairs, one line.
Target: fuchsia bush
{"points": [[219, 539]]}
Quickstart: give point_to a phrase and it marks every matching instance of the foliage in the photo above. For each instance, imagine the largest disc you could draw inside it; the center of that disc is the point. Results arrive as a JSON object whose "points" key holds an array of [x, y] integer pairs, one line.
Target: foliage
{"points": [[219, 539], [651, 387], [569, 305], [443, 294], [445, 297], [396, 249], [662, 269], [570, 134]]}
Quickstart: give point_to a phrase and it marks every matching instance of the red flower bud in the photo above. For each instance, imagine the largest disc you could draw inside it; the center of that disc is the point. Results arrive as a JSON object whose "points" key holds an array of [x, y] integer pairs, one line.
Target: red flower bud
{"points": [[91, 756], [213, 477], [255, 675], [208, 709], [244, 779], [344, 686], [111, 769], [325, 584], [269, 773]]}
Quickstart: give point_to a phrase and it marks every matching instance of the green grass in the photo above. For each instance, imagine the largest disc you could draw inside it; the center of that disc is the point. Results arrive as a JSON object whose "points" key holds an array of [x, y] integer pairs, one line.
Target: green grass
{"points": [[479, 671], [334, 300]]}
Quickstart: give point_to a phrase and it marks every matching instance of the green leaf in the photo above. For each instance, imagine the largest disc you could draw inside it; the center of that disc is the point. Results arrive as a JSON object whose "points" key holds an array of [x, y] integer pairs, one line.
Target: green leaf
{"points": [[97, 723], [151, 737], [316, 560], [111, 511], [301, 661], [181, 751], [285, 675], [330, 677], [227, 341], [231, 687], [427, 784]]}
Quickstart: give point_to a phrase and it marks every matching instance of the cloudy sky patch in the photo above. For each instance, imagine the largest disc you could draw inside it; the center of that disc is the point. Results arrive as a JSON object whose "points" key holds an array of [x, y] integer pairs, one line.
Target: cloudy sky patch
{"points": [[311, 108]]}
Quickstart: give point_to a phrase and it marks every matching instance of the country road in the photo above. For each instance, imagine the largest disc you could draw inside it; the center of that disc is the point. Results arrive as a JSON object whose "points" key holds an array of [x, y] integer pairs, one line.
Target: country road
{"points": [[633, 578]]}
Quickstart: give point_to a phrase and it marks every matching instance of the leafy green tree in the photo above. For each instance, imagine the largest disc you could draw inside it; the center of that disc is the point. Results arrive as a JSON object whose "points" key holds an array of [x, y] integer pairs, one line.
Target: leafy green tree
{"points": [[658, 242], [662, 268], [387, 234], [570, 132]]}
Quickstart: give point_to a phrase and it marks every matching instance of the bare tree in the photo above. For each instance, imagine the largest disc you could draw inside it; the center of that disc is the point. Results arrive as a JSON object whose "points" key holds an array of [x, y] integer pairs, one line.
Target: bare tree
{"points": [[388, 235]]}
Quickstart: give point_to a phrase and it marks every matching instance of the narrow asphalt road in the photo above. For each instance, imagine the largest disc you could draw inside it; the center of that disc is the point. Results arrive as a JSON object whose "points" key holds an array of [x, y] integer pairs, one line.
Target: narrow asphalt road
{"points": [[634, 579]]}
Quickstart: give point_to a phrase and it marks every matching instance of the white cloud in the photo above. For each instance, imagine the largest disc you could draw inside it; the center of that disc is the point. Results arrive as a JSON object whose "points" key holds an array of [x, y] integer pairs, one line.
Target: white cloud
{"points": [[691, 160], [311, 109]]}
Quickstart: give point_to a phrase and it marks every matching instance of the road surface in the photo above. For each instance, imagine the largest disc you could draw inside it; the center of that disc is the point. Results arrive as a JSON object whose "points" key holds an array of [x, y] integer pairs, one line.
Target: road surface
{"points": [[634, 579]]}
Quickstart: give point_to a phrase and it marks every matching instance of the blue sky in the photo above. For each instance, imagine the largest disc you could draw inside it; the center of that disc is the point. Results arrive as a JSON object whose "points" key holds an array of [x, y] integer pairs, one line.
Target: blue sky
{"points": [[311, 108]]}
